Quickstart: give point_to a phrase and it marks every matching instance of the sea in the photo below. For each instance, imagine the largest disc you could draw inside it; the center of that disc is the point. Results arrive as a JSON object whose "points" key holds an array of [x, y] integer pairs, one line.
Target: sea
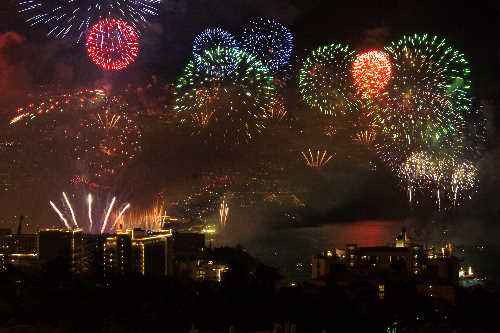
{"points": [[291, 249]]}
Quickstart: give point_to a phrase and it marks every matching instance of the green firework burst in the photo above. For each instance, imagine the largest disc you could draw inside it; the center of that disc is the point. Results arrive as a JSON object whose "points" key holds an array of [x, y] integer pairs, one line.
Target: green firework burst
{"points": [[325, 81], [233, 106]]}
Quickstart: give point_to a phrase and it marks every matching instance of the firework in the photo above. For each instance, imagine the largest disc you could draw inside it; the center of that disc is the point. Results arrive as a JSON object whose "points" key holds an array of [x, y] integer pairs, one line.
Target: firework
{"points": [[318, 160], [70, 18], [270, 41], [438, 176], [277, 110], [212, 52], [103, 137], [153, 219], [427, 96], [365, 137], [107, 120], [366, 127], [325, 81], [110, 207], [127, 206], [371, 72], [70, 209], [61, 216], [79, 100], [201, 118], [112, 44], [223, 213], [415, 171], [105, 140], [463, 179], [89, 200], [330, 128], [236, 103], [79, 180], [474, 131], [222, 178], [102, 223]]}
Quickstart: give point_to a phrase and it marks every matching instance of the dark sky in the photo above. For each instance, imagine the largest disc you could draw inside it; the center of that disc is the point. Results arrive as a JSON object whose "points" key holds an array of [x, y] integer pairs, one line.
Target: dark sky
{"points": [[28, 59], [470, 26]]}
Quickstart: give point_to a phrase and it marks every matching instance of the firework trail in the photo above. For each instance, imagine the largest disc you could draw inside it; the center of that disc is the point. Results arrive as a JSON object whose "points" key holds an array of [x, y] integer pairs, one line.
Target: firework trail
{"points": [[103, 225], [75, 17], [61, 216], [149, 219], [365, 137], [70, 209], [107, 215], [120, 215], [318, 160], [223, 213]]}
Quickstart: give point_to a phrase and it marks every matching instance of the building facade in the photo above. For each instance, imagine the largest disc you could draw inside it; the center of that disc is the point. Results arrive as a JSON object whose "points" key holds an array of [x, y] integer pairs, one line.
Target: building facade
{"points": [[136, 251], [63, 245]]}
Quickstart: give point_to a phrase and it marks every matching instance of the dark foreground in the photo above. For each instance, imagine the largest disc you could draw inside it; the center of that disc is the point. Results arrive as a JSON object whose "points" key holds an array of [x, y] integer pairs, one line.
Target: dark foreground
{"points": [[251, 298]]}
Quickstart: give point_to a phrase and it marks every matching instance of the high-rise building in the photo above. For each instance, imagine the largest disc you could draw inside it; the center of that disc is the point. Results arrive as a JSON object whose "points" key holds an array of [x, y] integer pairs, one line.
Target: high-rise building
{"points": [[152, 254], [61, 244], [188, 246], [18, 250], [93, 253], [118, 254], [136, 251], [23, 243], [4, 240]]}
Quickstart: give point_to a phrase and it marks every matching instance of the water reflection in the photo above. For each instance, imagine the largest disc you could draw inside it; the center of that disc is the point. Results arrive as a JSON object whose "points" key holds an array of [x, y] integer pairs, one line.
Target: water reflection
{"points": [[285, 248]]}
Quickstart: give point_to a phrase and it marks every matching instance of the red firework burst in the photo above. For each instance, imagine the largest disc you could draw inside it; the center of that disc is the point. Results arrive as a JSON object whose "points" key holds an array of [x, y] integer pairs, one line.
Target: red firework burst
{"points": [[112, 44], [371, 72]]}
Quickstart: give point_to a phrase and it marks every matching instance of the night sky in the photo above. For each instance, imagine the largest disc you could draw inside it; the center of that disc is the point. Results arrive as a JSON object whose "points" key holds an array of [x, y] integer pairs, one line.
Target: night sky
{"points": [[173, 163]]}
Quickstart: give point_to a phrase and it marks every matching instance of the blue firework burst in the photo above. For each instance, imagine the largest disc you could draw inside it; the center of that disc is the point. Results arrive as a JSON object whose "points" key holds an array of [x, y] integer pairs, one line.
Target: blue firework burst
{"points": [[270, 41], [212, 51]]}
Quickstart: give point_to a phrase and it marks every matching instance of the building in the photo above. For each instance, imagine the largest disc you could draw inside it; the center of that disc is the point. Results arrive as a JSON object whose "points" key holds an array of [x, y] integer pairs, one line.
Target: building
{"points": [[20, 243], [3, 263], [188, 246], [324, 264], [401, 260], [384, 269], [209, 271], [27, 262], [187, 254], [117, 255], [5, 232], [151, 254], [92, 258], [64, 245], [137, 251], [18, 250]]}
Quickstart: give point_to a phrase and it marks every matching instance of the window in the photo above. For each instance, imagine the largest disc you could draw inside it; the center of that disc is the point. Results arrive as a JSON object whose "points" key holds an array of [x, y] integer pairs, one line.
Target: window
{"points": [[381, 291]]}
